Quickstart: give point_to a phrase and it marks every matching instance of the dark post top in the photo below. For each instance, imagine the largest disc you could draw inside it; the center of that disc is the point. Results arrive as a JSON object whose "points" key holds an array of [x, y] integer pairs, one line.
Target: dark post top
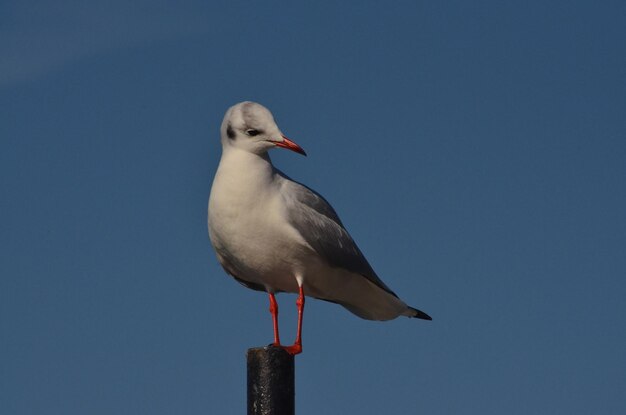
{"points": [[271, 387]]}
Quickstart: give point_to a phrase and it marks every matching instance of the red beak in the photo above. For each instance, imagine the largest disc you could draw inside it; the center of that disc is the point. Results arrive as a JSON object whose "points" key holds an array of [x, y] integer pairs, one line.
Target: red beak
{"points": [[290, 145]]}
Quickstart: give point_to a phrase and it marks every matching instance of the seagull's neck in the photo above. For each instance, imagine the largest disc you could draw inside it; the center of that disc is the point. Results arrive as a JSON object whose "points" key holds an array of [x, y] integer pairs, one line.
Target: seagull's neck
{"points": [[255, 169]]}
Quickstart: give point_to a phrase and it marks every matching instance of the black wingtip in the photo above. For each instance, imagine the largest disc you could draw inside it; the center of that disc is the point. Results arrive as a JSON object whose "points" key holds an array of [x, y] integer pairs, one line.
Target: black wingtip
{"points": [[420, 314]]}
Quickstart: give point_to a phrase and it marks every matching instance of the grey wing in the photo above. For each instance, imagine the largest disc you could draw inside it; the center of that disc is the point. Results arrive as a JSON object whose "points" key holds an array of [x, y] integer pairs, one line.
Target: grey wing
{"points": [[316, 220]]}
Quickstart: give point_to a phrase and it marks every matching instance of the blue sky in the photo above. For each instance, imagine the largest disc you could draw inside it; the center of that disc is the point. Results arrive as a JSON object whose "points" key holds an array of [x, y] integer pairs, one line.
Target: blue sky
{"points": [[475, 151]]}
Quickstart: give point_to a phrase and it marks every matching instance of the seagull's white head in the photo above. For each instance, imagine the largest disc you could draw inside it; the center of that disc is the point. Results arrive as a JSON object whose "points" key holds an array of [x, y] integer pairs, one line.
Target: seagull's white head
{"points": [[250, 126]]}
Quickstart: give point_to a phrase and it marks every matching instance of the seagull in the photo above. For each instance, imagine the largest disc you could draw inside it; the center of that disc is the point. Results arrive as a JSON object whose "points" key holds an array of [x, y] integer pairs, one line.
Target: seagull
{"points": [[273, 234]]}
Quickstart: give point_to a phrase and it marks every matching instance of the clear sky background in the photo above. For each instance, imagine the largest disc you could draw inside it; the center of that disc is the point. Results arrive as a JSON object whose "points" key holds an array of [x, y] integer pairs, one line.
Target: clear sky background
{"points": [[476, 151]]}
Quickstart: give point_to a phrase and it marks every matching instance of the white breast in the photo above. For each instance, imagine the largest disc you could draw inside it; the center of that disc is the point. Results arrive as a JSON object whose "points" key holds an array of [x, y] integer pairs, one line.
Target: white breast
{"points": [[247, 223]]}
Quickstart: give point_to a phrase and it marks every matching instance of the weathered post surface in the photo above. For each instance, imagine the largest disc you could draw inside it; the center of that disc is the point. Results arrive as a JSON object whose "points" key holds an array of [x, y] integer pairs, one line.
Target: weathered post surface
{"points": [[271, 385]]}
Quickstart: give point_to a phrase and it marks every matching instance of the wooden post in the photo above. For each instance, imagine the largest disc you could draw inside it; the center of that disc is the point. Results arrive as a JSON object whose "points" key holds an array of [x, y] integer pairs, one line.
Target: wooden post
{"points": [[271, 386]]}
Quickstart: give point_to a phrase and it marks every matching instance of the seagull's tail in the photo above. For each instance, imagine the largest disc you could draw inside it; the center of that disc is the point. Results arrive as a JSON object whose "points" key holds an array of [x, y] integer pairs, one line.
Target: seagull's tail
{"points": [[415, 313]]}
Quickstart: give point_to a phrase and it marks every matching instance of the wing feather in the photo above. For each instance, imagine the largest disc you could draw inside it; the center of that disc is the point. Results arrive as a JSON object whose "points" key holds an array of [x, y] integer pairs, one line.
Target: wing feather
{"points": [[318, 223]]}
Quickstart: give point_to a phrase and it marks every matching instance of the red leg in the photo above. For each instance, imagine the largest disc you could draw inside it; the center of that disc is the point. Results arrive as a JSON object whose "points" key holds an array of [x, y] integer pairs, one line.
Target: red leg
{"points": [[274, 311], [297, 346]]}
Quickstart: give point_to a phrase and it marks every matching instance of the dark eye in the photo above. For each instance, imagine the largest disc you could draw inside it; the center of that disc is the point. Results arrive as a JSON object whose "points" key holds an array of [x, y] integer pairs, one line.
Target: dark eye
{"points": [[252, 132]]}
